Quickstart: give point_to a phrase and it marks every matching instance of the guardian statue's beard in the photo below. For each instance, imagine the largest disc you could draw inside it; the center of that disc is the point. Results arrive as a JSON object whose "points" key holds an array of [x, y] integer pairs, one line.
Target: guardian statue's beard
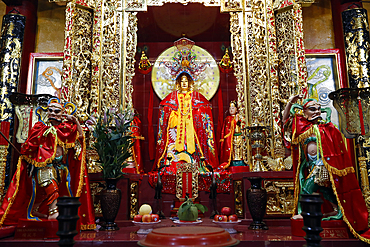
{"points": [[314, 118], [54, 119]]}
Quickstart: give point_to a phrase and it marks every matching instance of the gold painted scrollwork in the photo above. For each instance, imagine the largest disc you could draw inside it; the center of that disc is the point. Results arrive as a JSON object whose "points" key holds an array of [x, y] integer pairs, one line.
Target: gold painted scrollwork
{"points": [[134, 198], [187, 168], [3, 155], [238, 196], [130, 40], [365, 179], [184, 2], [135, 5], [239, 61], [77, 67], [231, 5], [291, 66], [110, 54], [290, 50], [280, 199], [300, 51], [96, 188]]}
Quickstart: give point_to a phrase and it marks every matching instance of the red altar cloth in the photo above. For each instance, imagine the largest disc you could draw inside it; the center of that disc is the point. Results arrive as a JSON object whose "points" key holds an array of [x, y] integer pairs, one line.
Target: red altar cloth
{"points": [[223, 179]]}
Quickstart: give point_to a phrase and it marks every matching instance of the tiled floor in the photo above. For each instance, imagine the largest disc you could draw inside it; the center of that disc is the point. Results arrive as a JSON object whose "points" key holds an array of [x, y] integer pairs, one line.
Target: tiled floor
{"points": [[276, 236]]}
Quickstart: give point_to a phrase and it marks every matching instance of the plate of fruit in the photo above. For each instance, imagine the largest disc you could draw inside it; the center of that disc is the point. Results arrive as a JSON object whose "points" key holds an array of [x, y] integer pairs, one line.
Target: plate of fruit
{"points": [[145, 219], [227, 220]]}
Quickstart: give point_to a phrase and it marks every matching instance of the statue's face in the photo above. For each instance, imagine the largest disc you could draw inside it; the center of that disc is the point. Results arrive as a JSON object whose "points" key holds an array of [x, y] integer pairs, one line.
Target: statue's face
{"points": [[55, 113], [232, 109], [184, 83], [312, 111]]}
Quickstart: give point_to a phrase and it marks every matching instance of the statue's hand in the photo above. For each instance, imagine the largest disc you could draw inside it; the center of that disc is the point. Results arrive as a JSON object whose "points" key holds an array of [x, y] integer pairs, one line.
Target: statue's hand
{"points": [[70, 118], [295, 98]]}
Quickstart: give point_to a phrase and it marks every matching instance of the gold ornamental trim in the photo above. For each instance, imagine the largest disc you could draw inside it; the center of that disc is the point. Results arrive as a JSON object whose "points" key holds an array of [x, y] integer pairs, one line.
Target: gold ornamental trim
{"points": [[130, 44], [208, 3], [3, 155], [77, 59], [231, 5], [280, 196], [134, 198], [238, 48], [238, 198], [184, 168]]}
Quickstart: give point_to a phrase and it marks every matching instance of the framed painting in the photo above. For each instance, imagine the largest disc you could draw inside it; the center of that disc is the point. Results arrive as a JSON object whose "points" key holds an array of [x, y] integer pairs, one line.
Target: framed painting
{"points": [[324, 76], [45, 73], [44, 77]]}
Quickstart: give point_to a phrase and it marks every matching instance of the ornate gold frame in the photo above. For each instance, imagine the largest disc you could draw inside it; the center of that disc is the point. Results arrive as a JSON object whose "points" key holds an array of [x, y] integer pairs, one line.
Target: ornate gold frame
{"points": [[99, 57], [187, 167]]}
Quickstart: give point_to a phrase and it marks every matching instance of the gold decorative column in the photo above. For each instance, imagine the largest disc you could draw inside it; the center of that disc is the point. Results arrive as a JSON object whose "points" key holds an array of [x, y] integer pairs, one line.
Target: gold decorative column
{"points": [[10, 63], [357, 42], [78, 59]]}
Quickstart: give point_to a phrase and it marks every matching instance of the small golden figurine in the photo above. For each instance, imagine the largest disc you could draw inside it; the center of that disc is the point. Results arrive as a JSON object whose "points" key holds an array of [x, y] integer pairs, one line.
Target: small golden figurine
{"points": [[225, 63], [144, 65]]}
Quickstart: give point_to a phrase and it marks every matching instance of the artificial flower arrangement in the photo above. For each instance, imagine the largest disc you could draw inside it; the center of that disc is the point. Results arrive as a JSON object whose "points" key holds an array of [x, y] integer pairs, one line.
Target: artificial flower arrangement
{"points": [[113, 140]]}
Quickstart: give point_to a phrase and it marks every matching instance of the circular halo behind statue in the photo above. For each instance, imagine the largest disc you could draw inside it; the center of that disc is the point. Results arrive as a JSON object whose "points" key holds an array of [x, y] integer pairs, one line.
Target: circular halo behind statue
{"points": [[206, 74]]}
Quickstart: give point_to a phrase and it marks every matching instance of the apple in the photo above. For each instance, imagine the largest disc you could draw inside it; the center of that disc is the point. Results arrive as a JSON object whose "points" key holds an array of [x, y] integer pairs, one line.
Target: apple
{"points": [[138, 218], [223, 218], [216, 218], [155, 217], [226, 211], [233, 217], [219, 217], [147, 218]]}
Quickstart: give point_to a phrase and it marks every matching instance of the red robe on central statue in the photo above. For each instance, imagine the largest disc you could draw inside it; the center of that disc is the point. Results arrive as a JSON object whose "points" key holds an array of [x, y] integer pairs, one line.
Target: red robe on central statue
{"points": [[175, 122]]}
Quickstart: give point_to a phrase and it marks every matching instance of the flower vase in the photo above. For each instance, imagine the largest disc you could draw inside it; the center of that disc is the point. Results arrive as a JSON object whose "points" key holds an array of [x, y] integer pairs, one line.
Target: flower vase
{"points": [[257, 200], [110, 202]]}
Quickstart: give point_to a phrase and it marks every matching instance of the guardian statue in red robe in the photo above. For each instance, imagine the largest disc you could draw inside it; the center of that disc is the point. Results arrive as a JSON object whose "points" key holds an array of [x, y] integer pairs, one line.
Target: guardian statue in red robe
{"points": [[52, 164], [322, 163]]}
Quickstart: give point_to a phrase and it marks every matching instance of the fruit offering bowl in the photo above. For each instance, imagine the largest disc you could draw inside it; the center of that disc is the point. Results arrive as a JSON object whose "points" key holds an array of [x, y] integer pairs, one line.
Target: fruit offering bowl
{"points": [[145, 227], [228, 225], [187, 223]]}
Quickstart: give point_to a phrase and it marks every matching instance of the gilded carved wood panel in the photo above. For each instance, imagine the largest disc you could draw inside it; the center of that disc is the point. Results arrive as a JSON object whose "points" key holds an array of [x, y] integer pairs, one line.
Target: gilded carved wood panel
{"points": [[267, 50], [280, 199], [77, 67]]}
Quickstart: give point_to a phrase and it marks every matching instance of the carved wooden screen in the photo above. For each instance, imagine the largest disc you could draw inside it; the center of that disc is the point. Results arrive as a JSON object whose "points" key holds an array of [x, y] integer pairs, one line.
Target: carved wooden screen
{"points": [[100, 49], [77, 62]]}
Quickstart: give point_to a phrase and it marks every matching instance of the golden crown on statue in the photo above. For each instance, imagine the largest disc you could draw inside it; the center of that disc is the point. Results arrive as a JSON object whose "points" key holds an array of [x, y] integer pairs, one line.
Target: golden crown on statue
{"points": [[184, 44], [184, 60]]}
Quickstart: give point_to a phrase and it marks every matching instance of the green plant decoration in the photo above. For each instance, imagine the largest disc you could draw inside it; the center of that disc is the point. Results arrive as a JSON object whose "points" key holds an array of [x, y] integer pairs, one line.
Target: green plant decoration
{"points": [[188, 211], [113, 140]]}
